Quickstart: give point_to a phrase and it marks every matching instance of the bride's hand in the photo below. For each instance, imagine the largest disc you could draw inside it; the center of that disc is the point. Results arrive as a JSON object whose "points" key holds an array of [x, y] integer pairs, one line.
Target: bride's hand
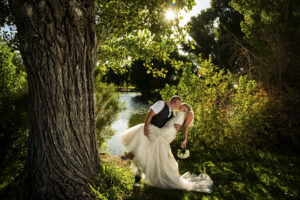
{"points": [[183, 144]]}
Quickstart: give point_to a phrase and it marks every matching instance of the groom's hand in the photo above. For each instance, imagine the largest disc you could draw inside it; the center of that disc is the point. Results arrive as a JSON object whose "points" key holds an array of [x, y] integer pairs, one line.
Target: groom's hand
{"points": [[146, 132], [177, 127]]}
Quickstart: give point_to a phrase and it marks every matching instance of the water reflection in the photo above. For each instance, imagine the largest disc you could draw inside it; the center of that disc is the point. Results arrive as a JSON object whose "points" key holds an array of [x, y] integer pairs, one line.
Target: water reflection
{"points": [[134, 114], [136, 118]]}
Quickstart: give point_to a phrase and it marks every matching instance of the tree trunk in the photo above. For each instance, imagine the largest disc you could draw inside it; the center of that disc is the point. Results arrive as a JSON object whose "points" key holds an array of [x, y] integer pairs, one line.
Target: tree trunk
{"points": [[57, 43]]}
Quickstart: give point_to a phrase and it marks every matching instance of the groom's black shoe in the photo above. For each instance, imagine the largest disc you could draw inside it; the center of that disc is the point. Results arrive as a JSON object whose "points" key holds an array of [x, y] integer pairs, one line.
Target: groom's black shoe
{"points": [[124, 157], [137, 181], [128, 156]]}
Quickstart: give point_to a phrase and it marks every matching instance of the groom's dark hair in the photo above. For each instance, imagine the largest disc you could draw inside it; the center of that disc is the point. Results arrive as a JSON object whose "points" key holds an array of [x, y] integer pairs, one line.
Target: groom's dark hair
{"points": [[175, 98]]}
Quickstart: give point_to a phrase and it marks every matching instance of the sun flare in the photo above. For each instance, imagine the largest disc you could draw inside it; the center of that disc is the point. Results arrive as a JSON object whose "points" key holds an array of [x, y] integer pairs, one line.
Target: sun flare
{"points": [[170, 15]]}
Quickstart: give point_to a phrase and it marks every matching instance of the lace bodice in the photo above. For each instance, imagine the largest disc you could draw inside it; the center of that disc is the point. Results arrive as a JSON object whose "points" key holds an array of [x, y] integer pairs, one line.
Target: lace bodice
{"points": [[177, 119]]}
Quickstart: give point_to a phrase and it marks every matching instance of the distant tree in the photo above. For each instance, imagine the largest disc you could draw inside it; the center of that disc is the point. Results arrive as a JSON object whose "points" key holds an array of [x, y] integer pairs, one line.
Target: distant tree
{"points": [[148, 83], [272, 30], [202, 30], [118, 77], [216, 32]]}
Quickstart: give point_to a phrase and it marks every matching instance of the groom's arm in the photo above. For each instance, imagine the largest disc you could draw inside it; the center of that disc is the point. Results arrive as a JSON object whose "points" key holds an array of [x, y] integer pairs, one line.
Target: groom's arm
{"points": [[149, 116], [177, 127]]}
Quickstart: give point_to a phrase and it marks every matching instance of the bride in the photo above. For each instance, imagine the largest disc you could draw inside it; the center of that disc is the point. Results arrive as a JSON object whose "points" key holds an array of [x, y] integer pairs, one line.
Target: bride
{"points": [[153, 157]]}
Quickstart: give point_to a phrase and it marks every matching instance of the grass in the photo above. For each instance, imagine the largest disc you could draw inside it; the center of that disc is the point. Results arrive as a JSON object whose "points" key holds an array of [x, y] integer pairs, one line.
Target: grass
{"points": [[259, 175]]}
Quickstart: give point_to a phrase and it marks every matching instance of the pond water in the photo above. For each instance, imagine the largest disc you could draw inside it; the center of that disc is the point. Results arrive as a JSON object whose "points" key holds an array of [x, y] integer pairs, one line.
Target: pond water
{"points": [[134, 113]]}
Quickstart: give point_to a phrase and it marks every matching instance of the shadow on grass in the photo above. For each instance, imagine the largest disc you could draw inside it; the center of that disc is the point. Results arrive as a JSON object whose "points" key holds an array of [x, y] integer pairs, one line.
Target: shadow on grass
{"points": [[149, 192], [258, 175]]}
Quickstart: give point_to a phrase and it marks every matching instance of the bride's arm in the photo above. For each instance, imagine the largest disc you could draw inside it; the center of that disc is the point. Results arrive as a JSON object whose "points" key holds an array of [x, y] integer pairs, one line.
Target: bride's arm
{"points": [[188, 120]]}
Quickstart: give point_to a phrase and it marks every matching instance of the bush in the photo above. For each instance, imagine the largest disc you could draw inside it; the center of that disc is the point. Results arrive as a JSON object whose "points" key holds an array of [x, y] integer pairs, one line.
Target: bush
{"points": [[229, 110], [107, 107], [13, 114]]}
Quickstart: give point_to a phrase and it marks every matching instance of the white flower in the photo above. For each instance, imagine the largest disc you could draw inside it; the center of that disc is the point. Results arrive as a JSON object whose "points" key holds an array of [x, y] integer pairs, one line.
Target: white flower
{"points": [[183, 153]]}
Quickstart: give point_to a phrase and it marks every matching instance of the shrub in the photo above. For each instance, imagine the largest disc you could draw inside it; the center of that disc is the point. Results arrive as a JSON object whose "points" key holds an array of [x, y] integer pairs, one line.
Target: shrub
{"points": [[229, 110], [13, 114], [107, 107]]}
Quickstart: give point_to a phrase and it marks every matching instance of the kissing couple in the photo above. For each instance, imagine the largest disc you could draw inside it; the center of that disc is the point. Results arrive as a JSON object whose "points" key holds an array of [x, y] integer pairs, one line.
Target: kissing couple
{"points": [[149, 148]]}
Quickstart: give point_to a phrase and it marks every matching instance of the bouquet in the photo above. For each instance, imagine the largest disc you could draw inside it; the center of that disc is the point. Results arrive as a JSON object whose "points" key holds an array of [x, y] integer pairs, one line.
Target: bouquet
{"points": [[183, 153]]}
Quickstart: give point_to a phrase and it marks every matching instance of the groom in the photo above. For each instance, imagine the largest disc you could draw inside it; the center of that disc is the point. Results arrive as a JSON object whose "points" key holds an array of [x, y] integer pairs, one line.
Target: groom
{"points": [[159, 113]]}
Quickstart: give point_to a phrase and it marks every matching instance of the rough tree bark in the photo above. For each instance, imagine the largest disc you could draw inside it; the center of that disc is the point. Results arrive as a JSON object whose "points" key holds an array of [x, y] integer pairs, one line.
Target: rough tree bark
{"points": [[57, 40]]}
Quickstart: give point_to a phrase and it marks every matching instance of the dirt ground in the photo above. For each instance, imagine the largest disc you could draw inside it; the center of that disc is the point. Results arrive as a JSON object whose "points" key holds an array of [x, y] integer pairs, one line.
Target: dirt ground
{"points": [[115, 159]]}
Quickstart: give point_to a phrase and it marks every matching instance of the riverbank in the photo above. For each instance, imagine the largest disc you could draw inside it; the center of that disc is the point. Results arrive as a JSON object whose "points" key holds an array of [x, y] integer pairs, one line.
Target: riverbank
{"points": [[260, 175], [128, 89], [134, 113], [107, 157]]}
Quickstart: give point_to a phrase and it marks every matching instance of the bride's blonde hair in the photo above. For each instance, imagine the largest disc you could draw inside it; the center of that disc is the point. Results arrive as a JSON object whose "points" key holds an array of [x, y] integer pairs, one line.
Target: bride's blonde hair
{"points": [[188, 107]]}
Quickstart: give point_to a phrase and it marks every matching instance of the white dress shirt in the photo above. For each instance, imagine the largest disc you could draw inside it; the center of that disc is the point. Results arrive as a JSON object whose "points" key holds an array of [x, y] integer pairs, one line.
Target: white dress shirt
{"points": [[158, 106]]}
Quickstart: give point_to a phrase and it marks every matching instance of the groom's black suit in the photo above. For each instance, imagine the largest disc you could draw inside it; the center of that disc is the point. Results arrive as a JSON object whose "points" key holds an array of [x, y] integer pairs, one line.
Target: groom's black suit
{"points": [[162, 117]]}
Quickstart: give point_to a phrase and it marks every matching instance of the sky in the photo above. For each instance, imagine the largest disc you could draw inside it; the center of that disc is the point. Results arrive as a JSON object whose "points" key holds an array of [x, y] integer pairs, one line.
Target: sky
{"points": [[201, 4]]}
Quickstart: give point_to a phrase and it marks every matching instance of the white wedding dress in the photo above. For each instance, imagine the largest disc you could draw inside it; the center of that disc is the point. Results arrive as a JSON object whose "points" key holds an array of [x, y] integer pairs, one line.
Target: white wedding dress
{"points": [[153, 157]]}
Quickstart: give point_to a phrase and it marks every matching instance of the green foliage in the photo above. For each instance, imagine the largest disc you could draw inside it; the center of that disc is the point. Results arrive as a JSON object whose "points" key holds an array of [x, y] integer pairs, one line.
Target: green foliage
{"points": [[114, 183], [126, 29], [130, 30], [229, 111], [10, 75], [13, 114], [148, 84], [7, 28], [145, 80], [271, 29], [4, 12], [118, 77], [107, 107]]}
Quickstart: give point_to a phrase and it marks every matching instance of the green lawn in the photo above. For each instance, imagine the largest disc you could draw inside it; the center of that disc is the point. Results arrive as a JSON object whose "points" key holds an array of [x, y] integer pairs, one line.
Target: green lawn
{"points": [[257, 176]]}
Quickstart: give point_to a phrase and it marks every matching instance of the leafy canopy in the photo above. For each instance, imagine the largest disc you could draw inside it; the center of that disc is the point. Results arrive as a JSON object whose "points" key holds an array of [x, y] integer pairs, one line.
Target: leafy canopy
{"points": [[129, 30]]}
